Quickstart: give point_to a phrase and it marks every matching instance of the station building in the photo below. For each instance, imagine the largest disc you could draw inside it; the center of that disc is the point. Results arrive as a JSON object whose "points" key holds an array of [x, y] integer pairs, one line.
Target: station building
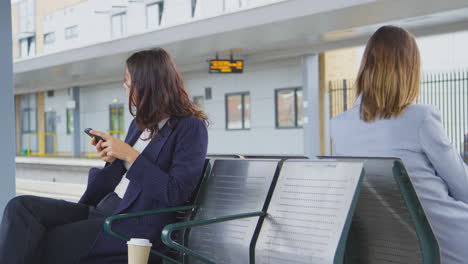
{"points": [[70, 55]]}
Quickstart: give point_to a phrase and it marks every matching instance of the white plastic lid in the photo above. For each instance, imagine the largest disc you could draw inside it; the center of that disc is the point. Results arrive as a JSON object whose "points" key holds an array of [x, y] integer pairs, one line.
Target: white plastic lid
{"points": [[140, 242]]}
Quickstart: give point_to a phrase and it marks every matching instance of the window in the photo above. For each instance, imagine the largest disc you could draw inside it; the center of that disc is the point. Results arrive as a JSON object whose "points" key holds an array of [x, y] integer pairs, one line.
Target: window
{"points": [[154, 14], [199, 101], [194, 7], [71, 32], [118, 25], [231, 4], [70, 125], [288, 105], [116, 118], [208, 93], [28, 106], [26, 17], [27, 47], [49, 38], [238, 111]]}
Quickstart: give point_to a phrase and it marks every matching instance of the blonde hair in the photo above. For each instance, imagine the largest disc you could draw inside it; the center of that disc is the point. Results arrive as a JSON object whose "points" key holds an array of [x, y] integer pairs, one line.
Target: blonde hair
{"points": [[389, 76]]}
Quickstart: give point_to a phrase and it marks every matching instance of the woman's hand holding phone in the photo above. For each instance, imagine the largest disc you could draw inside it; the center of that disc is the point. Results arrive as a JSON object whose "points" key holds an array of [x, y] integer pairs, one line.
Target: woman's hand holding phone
{"points": [[113, 148], [100, 150]]}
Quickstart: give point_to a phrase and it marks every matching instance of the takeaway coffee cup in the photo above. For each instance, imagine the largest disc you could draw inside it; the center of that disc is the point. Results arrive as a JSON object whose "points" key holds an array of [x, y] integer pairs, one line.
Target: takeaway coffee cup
{"points": [[138, 251]]}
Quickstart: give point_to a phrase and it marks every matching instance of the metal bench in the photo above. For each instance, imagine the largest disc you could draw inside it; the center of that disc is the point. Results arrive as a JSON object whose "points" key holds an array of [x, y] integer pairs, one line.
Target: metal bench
{"points": [[308, 216], [268, 211], [231, 203], [310, 213], [389, 224]]}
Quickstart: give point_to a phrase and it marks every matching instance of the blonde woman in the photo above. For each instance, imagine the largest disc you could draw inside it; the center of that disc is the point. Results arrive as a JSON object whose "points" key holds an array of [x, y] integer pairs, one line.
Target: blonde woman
{"points": [[386, 122]]}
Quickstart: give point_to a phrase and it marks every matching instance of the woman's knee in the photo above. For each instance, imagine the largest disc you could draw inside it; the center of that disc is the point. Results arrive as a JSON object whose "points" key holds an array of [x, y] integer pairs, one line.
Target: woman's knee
{"points": [[17, 201]]}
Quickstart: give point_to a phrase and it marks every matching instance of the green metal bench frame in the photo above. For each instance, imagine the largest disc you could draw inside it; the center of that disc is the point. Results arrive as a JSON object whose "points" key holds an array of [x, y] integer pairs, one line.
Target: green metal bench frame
{"points": [[110, 220], [427, 241], [191, 208], [169, 229]]}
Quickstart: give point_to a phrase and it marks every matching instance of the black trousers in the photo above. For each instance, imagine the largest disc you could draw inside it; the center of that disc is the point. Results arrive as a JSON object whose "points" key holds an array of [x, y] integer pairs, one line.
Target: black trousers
{"points": [[43, 230]]}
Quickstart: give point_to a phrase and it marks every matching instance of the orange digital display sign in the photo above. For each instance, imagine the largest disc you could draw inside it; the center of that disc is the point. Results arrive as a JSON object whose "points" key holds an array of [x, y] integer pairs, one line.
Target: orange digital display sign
{"points": [[226, 66]]}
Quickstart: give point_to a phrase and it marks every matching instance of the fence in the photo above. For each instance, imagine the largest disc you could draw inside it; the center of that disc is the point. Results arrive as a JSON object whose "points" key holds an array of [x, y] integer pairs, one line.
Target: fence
{"points": [[342, 96], [448, 92]]}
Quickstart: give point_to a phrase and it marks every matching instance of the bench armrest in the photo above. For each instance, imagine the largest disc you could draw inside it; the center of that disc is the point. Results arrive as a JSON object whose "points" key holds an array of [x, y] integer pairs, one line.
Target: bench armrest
{"points": [[110, 220], [167, 231]]}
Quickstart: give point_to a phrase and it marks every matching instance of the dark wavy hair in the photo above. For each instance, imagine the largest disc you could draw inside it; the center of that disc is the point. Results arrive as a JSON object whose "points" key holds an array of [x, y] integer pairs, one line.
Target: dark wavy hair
{"points": [[157, 89]]}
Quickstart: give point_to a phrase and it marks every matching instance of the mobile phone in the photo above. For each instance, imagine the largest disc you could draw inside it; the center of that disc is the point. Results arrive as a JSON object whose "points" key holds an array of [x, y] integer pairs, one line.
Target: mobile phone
{"points": [[98, 138]]}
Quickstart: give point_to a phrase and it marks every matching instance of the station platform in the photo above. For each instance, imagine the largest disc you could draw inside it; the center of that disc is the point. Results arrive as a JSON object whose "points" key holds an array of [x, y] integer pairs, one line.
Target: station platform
{"points": [[60, 161], [53, 177]]}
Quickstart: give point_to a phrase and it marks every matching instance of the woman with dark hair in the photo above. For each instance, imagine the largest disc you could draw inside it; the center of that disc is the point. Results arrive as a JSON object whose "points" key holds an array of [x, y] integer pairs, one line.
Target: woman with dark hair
{"points": [[386, 122], [158, 166]]}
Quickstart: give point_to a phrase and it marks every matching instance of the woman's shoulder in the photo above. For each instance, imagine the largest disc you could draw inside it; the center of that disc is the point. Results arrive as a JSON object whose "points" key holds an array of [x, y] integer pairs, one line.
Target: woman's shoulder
{"points": [[351, 114], [414, 116], [187, 122], [422, 112]]}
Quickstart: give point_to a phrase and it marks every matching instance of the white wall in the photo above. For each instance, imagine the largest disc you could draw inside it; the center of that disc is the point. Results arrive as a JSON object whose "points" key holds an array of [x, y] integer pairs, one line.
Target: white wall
{"points": [[96, 27], [446, 52], [208, 8], [260, 80], [176, 12], [94, 108], [94, 112]]}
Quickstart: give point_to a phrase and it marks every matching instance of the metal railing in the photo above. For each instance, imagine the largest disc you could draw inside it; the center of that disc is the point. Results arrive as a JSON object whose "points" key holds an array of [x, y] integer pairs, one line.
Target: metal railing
{"points": [[341, 95], [42, 148], [449, 93]]}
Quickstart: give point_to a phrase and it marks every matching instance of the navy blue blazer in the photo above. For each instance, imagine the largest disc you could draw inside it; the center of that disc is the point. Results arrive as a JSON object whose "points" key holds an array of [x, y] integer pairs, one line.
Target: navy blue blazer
{"points": [[164, 175]]}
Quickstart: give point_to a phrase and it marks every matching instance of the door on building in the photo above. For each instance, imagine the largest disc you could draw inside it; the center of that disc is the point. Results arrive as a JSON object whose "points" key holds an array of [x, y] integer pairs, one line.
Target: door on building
{"points": [[116, 121], [50, 129], [28, 111]]}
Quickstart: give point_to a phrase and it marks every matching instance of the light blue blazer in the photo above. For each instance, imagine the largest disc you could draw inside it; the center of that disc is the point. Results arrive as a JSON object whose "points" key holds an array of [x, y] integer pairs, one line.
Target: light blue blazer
{"points": [[437, 171]]}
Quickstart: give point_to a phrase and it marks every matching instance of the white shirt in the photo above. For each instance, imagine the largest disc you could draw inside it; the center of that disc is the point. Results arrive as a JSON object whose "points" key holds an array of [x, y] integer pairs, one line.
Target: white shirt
{"points": [[139, 146], [437, 171]]}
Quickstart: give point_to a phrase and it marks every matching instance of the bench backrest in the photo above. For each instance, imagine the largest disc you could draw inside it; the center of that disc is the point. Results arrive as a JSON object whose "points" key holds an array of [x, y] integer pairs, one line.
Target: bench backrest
{"points": [[186, 215], [310, 213], [234, 186], [281, 157], [389, 224]]}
